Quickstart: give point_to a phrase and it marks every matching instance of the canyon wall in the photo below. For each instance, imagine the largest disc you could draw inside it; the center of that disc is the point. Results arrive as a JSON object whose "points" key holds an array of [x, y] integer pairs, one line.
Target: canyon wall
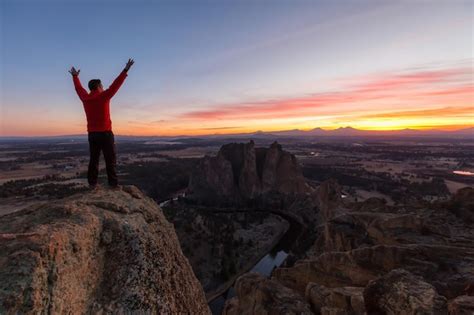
{"points": [[241, 172]]}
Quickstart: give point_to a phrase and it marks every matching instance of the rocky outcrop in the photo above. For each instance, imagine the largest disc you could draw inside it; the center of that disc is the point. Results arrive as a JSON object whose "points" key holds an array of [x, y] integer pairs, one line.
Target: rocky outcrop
{"points": [[328, 198], [213, 179], [462, 204], [242, 172], [400, 292], [416, 259], [108, 252], [342, 300], [462, 305], [449, 269], [258, 295]]}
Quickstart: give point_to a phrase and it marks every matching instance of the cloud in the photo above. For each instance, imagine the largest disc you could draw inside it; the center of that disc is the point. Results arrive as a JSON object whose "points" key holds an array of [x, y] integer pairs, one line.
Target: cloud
{"points": [[221, 128], [411, 80], [435, 112], [431, 88]]}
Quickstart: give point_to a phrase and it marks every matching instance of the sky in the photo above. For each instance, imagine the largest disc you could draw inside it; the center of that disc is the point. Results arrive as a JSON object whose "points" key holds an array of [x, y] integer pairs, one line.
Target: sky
{"points": [[213, 67]]}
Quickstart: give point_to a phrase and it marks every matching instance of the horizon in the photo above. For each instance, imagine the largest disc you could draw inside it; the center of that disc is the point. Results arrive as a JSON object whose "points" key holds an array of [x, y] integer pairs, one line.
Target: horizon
{"points": [[208, 68], [393, 132]]}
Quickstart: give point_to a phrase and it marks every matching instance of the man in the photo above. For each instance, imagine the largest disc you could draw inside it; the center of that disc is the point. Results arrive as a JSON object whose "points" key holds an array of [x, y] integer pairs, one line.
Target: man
{"points": [[99, 126]]}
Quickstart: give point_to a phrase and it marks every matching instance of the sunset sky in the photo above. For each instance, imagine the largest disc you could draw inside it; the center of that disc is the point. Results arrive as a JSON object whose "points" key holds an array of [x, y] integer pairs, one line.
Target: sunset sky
{"points": [[205, 67]]}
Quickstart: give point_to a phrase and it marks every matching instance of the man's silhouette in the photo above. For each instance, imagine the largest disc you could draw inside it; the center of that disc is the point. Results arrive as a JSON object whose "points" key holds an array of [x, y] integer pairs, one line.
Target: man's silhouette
{"points": [[99, 126]]}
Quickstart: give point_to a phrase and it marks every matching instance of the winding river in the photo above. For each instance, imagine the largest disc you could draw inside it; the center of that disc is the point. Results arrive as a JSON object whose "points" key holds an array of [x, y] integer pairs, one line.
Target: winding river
{"points": [[273, 259], [265, 266]]}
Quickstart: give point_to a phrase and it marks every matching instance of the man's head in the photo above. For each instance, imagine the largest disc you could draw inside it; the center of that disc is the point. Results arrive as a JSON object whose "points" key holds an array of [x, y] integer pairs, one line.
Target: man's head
{"points": [[95, 84]]}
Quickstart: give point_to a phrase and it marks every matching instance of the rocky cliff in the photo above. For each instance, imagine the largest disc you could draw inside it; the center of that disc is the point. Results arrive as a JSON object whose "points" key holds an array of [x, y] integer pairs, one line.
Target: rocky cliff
{"points": [[376, 259], [107, 252], [242, 172]]}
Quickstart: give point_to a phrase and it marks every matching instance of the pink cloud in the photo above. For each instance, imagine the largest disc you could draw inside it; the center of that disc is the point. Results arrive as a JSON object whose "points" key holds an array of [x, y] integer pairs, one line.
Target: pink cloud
{"points": [[434, 87], [411, 80], [444, 112]]}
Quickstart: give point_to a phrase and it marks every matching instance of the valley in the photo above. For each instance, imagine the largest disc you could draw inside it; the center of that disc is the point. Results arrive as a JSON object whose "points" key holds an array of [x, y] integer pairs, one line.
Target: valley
{"points": [[236, 207]]}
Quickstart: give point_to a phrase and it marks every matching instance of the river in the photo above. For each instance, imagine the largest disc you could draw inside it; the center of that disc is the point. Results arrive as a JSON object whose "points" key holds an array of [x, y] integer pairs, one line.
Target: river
{"points": [[265, 266]]}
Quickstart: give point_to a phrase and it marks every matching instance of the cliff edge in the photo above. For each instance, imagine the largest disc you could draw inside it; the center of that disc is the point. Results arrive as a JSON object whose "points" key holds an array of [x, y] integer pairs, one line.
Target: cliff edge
{"points": [[99, 252]]}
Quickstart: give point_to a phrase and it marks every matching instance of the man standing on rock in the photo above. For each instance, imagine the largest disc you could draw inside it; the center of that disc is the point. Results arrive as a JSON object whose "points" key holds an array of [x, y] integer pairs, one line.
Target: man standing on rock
{"points": [[99, 126]]}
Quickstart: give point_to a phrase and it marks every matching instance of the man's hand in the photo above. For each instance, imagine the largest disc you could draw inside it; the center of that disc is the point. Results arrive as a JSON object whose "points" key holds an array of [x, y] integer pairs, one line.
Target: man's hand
{"points": [[130, 62], [73, 71]]}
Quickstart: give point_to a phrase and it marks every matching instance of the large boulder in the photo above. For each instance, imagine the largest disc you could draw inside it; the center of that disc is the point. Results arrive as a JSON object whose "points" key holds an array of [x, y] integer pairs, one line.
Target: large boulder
{"points": [[360, 229], [401, 292], [462, 305], [107, 252], [343, 300], [448, 268], [259, 295]]}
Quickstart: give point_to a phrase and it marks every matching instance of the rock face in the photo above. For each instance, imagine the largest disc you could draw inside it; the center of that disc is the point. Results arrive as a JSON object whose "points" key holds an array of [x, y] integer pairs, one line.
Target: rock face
{"points": [[463, 204], [258, 295], [400, 292], [241, 172], [342, 300], [328, 199], [462, 305], [102, 252]]}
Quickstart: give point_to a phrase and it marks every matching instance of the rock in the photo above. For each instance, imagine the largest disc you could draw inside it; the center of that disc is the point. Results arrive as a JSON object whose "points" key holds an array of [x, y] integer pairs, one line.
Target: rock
{"points": [[462, 305], [133, 191], [106, 252], [400, 292], [269, 168], [213, 180], [241, 172], [372, 204], [449, 269], [357, 229], [328, 198], [259, 295], [366, 244], [462, 204], [344, 300], [332, 311], [231, 307]]}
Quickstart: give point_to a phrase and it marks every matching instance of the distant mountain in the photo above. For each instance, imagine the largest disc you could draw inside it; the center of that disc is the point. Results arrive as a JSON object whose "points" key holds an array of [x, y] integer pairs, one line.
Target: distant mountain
{"points": [[353, 132], [465, 133]]}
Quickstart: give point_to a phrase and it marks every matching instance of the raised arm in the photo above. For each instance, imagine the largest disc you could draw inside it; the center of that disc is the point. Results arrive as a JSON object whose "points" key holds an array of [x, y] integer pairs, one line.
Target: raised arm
{"points": [[115, 86], [81, 92]]}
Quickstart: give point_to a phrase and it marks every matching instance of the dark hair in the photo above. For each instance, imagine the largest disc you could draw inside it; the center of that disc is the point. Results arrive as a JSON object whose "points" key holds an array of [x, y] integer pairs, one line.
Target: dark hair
{"points": [[94, 84]]}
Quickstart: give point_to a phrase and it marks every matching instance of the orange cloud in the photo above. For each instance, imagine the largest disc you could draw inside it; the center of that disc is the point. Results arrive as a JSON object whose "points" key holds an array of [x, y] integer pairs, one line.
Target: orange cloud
{"points": [[433, 89], [437, 112]]}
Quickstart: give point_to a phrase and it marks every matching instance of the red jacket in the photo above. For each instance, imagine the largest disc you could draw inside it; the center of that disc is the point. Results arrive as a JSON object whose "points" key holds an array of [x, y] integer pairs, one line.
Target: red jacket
{"points": [[96, 104]]}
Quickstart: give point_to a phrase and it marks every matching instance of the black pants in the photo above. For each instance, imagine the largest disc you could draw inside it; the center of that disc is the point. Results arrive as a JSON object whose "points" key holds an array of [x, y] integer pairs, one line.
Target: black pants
{"points": [[102, 141]]}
